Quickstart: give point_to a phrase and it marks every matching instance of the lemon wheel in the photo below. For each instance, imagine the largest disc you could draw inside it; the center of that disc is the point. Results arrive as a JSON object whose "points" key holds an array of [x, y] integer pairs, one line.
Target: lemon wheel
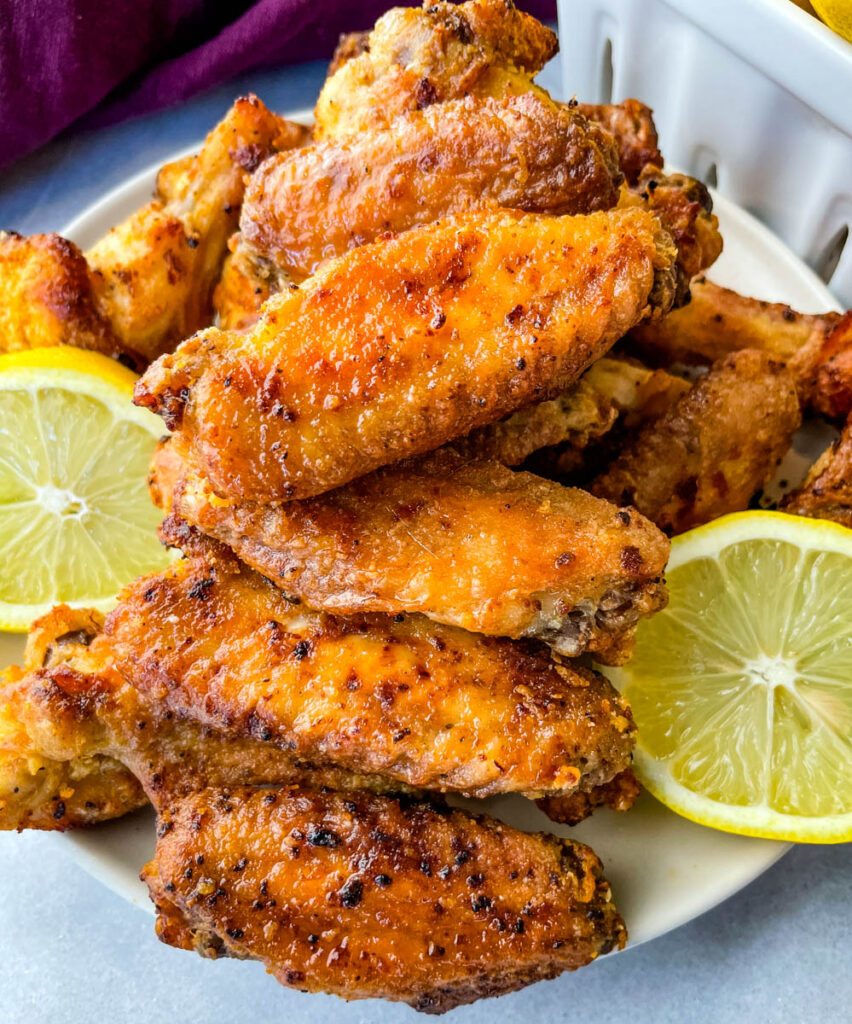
{"points": [[742, 687], [76, 521]]}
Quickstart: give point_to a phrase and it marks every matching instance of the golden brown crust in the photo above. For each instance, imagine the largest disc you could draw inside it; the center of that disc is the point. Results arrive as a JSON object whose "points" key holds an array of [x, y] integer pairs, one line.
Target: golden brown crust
{"points": [[713, 449], [442, 51], [529, 558], [154, 273], [519, 152], [718, 321], [619, 794], [324, 888], [426, 705], [632, 125], [827, 490], [401, 345], [47, 296]]}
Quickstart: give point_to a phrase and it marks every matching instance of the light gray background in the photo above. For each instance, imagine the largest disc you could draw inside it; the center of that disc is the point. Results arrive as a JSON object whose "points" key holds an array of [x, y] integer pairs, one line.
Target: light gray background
{"points": [[71, 951]]}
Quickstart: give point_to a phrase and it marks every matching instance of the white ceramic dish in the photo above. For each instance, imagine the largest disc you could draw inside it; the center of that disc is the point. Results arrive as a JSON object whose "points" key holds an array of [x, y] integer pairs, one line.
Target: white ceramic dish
{"points": [[664, 870]]}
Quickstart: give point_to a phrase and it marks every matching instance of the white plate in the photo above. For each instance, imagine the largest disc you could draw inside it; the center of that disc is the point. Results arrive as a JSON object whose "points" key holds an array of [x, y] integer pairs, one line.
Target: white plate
{"points": [[664, 870]]}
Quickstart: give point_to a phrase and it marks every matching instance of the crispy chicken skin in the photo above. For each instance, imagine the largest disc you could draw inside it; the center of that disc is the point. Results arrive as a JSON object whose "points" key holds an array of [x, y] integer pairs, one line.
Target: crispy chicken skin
{"points": [[47, 296], [399, 346], [79, 745], [416, 57], [324, 889], [827, 490], [520, 152], [619, 794], [421, 704], [529, 558], [631, 124], [713, 449], [153, 275], [816, 347]]}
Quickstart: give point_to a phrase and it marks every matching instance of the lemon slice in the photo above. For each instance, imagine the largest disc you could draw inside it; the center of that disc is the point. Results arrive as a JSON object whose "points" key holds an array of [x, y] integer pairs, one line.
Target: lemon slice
{"points": [[837, 14], [76, 521], [742, 687]]}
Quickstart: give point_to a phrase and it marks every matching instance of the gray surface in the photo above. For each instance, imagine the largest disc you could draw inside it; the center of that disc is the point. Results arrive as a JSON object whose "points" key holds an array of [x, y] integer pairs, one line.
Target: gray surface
{"points": [[72, 951]]}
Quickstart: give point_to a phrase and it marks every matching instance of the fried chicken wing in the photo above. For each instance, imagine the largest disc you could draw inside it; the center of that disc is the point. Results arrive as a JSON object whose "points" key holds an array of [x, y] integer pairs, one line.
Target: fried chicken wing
{"points": [[519, 152], [153, 275], [323, 888], [426, 705], [817, 348], [632, 126], [415, 57], [713, 449], [529, 558], [827, 490], [48, 297], [397, 347], [619, 794]]}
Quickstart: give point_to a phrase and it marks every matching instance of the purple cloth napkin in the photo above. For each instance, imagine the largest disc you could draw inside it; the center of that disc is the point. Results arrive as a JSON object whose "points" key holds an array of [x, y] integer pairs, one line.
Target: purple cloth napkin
{"points": [[63, 59]]}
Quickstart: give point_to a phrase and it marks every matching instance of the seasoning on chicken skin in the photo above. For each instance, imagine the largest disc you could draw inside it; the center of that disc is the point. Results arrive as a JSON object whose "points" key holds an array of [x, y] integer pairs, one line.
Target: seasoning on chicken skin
{"points": [[619, 794], [48, 297], [816, 347], [401, 345], [827, 490], [429, 706], [313, 204], [153, 275], [324, 888], [529, 558], [713, 449], [415, 57], [79, 745], [632, 126]]}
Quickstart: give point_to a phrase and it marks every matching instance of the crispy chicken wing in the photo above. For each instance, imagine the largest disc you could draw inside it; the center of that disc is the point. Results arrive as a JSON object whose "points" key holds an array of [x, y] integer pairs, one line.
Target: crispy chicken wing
{"points": [[631, 123], [153, 275], [519, 152], [619, 794], [713, 449], [48, 297], [396, 347], [323, 888], [817, 348], [429, 706], [528, 557], [416, 57], [827, 490]]}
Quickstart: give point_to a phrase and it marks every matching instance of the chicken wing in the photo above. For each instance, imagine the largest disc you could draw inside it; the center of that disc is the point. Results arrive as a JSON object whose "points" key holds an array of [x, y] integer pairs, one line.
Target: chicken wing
{"points": [[619, 794], [397, 347], [632, 126], [817, 348], [153, 275], [529, 558], [48, 297], [713, 449], [425, 705], [415, 57], [522, 153], [323, 888], [827, 490]]}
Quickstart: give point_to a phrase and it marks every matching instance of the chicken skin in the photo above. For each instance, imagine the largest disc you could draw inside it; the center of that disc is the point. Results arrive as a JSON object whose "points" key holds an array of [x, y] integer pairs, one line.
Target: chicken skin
{"points": [[308, 206], [153, 275], [713, 449], [529, 558], [632, 126], [816, 347], [48, 297], [397, 347], [415, 57], [324, 888], [827, 490], [423, 705]]}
